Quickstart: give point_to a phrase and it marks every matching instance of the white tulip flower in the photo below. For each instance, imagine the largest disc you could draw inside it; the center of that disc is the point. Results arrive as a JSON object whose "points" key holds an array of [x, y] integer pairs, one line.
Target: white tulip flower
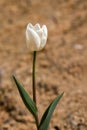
{"points": [[36, 37]]}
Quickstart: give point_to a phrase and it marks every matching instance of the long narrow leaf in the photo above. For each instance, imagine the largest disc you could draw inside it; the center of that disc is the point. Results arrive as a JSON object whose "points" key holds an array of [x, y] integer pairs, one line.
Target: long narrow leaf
{"points": [[26, 98], [44, 124]]}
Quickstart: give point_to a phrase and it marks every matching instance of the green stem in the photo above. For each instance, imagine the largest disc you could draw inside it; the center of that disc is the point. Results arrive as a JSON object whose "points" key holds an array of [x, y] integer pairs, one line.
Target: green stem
{"points": [[33, 85], [33, 78]]}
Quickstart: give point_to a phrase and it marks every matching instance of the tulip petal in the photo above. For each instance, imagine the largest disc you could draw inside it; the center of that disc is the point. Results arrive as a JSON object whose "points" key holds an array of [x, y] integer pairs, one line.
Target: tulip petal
{"points": [[44, 36], [40, 32], [43, 42], [30, 26], [33, 39], [44, 28], [37, 26]]}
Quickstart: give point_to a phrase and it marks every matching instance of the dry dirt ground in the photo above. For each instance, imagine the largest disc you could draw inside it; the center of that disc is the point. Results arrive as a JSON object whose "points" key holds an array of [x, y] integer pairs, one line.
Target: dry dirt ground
{"points": [[61, 66]]}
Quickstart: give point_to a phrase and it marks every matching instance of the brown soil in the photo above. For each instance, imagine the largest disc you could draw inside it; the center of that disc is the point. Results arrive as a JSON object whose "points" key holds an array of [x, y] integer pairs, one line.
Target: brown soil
{"points": [[61, 66]]}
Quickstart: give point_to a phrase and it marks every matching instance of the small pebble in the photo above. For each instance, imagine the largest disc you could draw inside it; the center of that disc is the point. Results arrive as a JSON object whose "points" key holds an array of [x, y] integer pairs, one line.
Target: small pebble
{"points": [[78, 47]]}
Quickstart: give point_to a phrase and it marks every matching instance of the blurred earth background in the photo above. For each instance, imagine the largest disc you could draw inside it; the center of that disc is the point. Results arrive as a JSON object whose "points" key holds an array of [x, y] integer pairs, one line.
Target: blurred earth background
{"points": [[61, 66]]}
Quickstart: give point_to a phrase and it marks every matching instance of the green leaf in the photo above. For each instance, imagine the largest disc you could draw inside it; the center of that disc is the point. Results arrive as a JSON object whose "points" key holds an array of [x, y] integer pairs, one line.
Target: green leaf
{"points": [[26, 98], [44, 124]]}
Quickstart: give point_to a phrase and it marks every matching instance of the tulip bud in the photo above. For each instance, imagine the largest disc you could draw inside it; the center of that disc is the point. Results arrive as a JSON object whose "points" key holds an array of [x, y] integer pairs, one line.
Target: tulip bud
{"points": [[36, 37]]}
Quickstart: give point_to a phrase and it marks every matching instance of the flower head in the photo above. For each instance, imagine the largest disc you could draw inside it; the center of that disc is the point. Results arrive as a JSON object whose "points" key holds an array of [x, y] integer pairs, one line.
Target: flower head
{"points": [[36, 37]]}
